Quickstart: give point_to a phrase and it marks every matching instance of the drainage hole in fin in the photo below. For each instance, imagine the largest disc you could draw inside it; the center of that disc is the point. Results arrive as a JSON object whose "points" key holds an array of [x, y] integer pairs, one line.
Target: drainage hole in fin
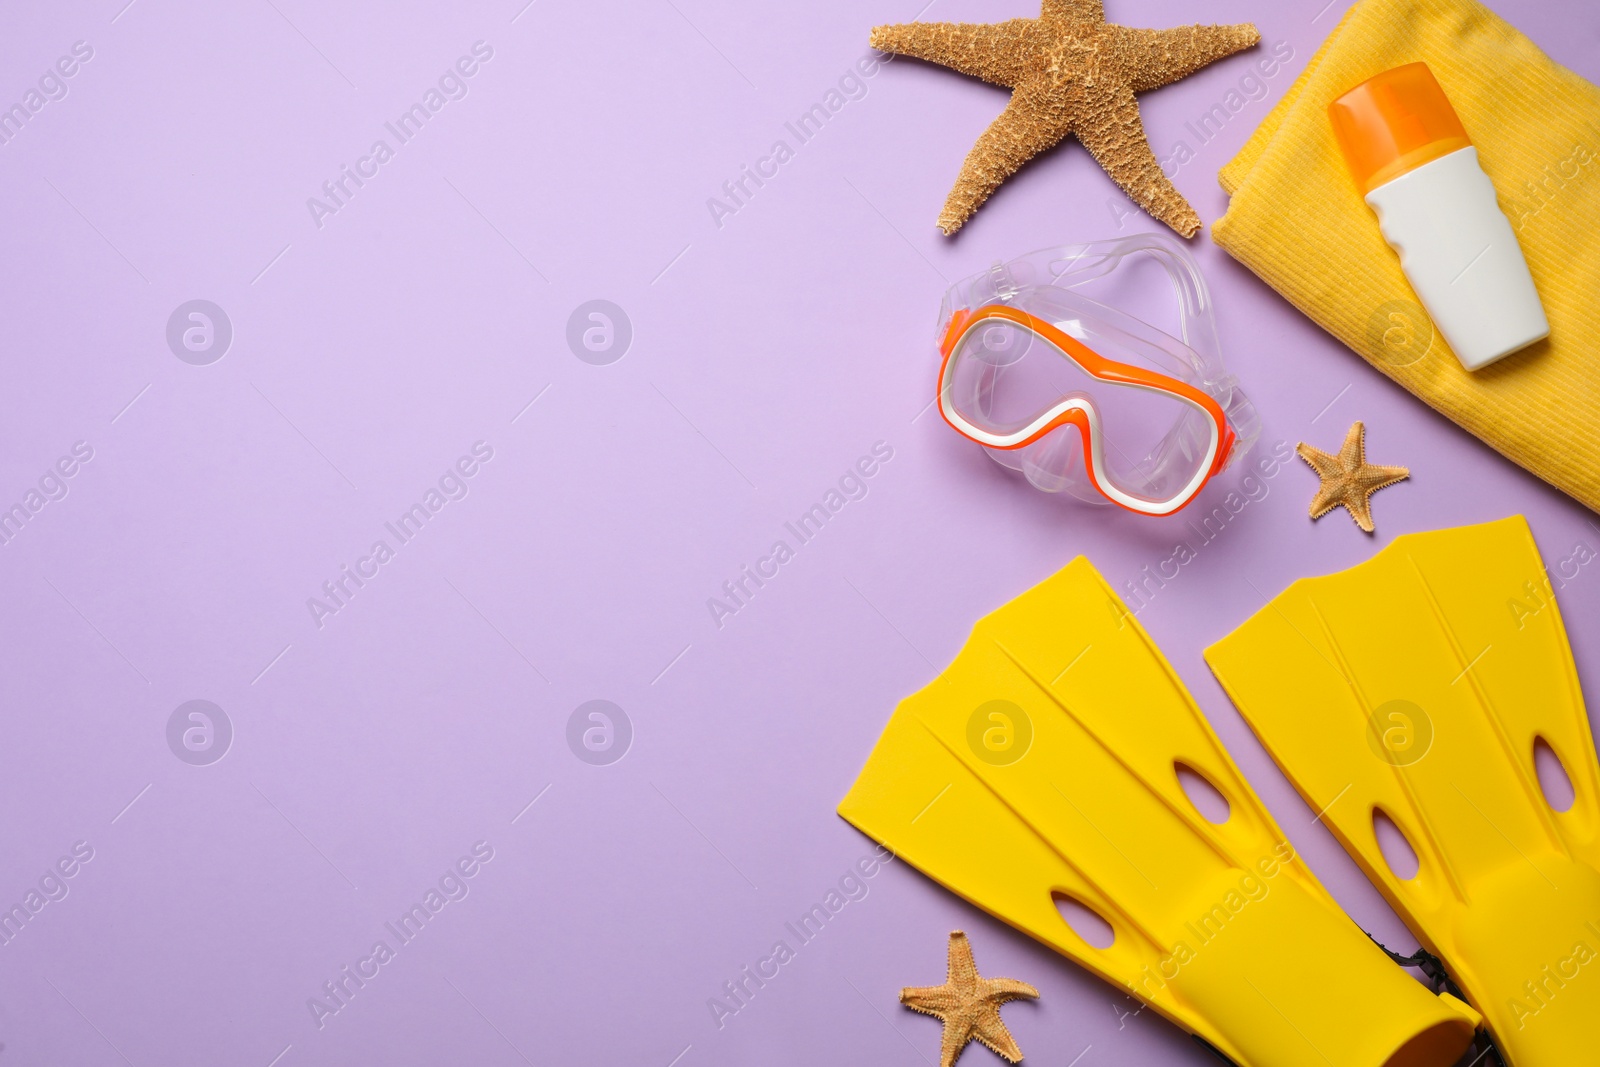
{"points": [[1554, 781], [1084, 920], [1396, 848], [1206, 798]]}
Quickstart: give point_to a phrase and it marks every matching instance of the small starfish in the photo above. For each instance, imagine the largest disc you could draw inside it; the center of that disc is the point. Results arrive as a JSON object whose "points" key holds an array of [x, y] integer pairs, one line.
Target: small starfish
{"points": [[1347, 478], [968, 1005], [1070, 71]]}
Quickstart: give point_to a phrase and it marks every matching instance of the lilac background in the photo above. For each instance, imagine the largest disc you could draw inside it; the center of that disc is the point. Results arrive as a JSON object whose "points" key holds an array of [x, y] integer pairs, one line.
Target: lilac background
{"points": [[768, 355]]}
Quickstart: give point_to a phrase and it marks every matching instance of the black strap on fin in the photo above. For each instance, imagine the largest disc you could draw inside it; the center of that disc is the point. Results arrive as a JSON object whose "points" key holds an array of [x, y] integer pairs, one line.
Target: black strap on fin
{"points": [[1209, 1047], [1483, 1052]]}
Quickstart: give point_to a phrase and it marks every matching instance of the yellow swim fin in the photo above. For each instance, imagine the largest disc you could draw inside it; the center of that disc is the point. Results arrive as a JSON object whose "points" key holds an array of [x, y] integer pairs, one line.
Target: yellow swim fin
{"points": [[1043, 764], [1416, 685]]}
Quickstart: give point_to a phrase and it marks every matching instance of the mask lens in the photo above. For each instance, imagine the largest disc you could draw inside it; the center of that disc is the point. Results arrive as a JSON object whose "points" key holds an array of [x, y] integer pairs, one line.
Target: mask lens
{"points": [[1009, 381], [1004, 377], [1154, 468], [1142, 430]]}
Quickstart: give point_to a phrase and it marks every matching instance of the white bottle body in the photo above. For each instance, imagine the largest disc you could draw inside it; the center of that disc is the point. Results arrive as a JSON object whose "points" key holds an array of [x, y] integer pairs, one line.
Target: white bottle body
{"points": [[1461, 256]]}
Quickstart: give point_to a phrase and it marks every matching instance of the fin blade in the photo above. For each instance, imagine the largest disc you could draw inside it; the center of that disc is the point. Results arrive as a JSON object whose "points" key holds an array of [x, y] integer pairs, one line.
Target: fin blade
{"points": [[1092, 809], [1416, 684]]}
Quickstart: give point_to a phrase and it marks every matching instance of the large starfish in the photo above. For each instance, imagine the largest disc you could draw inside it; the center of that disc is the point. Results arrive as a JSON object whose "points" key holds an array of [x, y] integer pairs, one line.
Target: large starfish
{"points": [[1070, 71], [968, 1004], [1347, 478]]}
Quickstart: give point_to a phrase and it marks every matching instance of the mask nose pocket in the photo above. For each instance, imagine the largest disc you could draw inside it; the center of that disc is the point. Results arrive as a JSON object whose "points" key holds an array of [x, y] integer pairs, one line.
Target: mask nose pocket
{"points": [[1054, 463]]}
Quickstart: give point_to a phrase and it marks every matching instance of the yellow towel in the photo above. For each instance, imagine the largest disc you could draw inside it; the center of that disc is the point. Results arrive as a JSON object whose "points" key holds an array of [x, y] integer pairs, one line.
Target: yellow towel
{"points": [[1296, 219]]}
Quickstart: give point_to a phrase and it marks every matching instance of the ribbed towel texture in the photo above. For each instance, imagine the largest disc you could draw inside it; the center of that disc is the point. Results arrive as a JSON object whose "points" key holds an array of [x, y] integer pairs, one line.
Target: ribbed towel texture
{"points": [[1296, 219]]}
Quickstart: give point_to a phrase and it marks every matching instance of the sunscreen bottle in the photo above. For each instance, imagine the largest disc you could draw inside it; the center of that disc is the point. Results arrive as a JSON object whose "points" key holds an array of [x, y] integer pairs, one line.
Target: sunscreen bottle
{"points": [[1416, 168]]}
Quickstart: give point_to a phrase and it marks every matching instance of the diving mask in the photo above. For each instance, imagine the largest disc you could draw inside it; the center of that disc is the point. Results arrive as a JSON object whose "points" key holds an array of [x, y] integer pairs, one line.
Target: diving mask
{"points": [[1082, 397]]}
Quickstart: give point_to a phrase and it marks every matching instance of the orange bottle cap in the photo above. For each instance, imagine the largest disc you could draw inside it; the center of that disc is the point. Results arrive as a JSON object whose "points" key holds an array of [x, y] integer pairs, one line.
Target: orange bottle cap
{"points": [[1394, 123]]}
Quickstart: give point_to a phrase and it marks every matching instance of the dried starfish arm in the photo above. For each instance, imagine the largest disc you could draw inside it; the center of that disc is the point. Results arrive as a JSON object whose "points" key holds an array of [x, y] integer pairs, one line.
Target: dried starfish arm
{"points": [[1075, 10], [996, 53], [930, 1000], [997, 1039], [1011, 989], [1028, 126], [950, 1046], [1381, 477], [1161, 57], [1114, 134], [1361, 511]]}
